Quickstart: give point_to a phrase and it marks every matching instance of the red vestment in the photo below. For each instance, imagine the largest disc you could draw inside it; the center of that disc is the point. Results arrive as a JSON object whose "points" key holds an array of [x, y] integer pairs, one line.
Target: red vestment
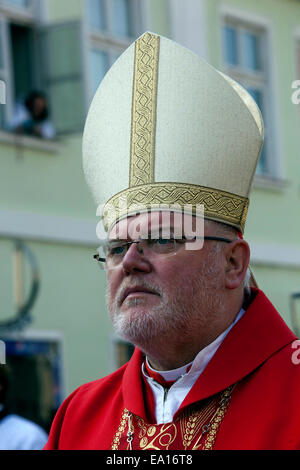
{"points": [[257, 357]]}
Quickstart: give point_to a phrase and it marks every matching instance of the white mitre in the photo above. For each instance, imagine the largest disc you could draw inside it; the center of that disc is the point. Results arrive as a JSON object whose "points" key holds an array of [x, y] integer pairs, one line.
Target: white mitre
{"points": [[165, 127]]}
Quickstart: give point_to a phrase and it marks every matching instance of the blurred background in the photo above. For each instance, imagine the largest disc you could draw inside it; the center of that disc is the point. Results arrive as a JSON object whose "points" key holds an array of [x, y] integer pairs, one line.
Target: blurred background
{"points": [[53, 55]]}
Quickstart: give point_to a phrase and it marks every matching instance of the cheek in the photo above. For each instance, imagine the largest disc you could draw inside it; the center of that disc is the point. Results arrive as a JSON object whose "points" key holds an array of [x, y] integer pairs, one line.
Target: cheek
{"points": [[173, 276], [113, 282]]}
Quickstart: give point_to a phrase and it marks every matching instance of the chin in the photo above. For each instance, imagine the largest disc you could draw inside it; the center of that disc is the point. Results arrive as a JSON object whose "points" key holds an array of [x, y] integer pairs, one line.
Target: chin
{"points": [[140, 327]]}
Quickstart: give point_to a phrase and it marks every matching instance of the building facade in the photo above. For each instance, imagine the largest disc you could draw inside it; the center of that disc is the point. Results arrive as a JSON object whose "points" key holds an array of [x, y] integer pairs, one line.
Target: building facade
{"points": [[47, 217]]}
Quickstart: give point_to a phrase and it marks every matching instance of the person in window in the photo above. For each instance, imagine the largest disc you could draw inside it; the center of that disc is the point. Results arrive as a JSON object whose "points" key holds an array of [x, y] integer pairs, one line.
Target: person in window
{"points": [[32, 117], [16, 432]]}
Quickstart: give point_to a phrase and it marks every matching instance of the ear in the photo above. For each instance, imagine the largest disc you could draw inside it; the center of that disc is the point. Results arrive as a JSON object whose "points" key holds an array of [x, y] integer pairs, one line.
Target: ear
{"points": [[237, 261]]}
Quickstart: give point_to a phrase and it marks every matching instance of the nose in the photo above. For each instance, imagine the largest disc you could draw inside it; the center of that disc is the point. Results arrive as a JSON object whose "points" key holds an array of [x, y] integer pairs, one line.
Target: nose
{"points": [[135, 261]]}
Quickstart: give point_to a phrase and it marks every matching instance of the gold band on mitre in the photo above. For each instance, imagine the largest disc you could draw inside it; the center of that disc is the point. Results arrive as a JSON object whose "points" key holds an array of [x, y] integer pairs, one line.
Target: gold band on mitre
{"points": [[218, 205], [143, 117]]}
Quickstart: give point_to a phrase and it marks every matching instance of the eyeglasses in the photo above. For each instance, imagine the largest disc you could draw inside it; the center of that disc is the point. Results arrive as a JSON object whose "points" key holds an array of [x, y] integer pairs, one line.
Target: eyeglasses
{"points": [[111, 254]]}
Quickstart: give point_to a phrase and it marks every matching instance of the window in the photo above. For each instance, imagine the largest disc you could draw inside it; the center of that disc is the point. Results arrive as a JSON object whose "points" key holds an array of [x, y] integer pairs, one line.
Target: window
{"points": [[112, 26], [18, 3], [61, 66], [35, 372], [22, 59], [243, 56], [54, 58], [112, 16], [19, 64]]}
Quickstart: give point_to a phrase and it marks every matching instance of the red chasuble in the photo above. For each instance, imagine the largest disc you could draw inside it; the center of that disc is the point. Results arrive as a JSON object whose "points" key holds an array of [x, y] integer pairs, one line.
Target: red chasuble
{"points": [[248, 397]]}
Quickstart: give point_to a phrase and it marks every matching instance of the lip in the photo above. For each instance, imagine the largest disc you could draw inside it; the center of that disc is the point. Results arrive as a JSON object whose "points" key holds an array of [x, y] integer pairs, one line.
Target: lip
{"points": [[137, 290]]}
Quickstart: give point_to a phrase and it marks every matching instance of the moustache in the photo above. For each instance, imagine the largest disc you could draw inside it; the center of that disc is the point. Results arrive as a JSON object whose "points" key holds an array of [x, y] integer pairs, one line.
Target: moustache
{"points": [[136, 285]]}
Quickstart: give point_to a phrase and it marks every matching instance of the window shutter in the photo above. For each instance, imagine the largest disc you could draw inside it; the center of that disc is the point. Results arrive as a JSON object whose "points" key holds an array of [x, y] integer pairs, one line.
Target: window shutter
{"points": [[60, 50]]}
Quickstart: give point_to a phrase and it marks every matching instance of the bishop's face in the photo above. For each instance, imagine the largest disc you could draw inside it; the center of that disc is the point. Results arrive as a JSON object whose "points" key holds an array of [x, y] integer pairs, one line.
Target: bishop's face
{"points": [[155, 297]]}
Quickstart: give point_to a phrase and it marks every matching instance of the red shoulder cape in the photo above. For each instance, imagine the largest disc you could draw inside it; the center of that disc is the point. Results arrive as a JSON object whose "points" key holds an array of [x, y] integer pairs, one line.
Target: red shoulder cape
{"points": [[264, 412]]}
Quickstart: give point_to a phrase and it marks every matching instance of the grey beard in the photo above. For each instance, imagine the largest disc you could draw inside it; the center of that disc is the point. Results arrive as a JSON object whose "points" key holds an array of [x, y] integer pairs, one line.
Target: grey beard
{"points": [[177, 317]]}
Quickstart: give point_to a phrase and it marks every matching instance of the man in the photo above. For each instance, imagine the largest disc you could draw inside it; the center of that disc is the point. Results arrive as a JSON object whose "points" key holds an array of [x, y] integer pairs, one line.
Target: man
{"points": [[213, 366]]}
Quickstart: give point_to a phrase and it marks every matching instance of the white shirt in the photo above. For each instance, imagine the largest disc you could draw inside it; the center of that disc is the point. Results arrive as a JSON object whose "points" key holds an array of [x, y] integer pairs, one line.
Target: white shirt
{"points": [[17, 433], [167, 403]]}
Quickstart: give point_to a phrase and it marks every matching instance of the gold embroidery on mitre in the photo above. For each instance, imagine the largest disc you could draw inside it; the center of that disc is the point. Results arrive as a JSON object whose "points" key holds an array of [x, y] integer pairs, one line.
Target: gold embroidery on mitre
{"points": [[143, 119], [218, 205]]}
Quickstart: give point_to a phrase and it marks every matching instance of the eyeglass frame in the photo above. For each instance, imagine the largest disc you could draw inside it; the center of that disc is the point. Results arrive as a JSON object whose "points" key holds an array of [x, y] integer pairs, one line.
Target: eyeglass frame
{"points": [[102, 261]]}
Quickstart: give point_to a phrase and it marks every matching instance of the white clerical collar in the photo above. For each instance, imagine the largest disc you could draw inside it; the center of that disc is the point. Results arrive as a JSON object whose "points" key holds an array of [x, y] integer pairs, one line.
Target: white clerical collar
{"points": [[170, 375]]}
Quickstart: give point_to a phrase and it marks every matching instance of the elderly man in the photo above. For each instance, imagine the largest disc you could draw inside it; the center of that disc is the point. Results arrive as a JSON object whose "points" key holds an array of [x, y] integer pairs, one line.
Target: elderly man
{"points": [[213, 365], [192, 297]]}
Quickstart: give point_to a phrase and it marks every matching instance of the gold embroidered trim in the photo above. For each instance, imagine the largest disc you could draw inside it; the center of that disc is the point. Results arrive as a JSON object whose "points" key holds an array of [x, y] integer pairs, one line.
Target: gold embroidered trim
{"points": [[121, 428], [191, 425], [218, 205], [217, 419], [143, 120]]}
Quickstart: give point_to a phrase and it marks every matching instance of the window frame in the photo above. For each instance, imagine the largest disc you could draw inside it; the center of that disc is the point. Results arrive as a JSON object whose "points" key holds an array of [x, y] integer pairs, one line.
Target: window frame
{"points": [[28, 17], [249, 78], [262, 26], [18, 13], [106, 41]]}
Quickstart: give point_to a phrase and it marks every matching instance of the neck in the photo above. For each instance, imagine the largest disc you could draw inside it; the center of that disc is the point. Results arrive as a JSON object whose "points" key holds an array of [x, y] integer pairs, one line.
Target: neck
{"points": [[165, 364], [164, 356]]}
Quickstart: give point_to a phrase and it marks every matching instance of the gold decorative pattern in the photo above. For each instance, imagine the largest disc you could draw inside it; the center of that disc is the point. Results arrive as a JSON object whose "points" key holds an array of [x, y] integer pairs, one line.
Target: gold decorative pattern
{"points": [[218, 205], [164, 437], [143, 120], [121, 428], [218, 418], [195, 429], [192, 424]]}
